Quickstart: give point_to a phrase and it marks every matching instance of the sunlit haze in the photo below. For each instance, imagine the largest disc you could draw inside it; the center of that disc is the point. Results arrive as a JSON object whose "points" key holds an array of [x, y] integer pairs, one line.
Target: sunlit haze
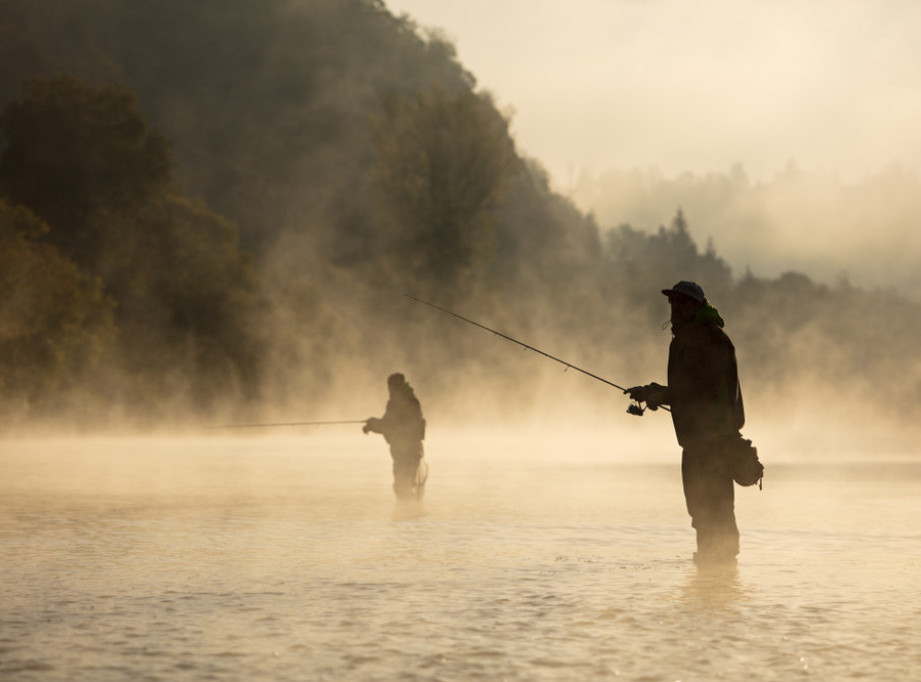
{"points": [[833, 85]]}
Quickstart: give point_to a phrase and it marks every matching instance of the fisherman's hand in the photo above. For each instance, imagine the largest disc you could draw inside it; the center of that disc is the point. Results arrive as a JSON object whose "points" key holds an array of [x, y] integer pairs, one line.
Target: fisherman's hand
{"points": [[652, 394], [638, 393], [655, 396], [366, 429]]}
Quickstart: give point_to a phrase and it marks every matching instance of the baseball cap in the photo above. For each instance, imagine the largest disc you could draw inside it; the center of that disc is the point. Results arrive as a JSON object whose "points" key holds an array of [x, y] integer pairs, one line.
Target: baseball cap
{"points": [[689, 289]]}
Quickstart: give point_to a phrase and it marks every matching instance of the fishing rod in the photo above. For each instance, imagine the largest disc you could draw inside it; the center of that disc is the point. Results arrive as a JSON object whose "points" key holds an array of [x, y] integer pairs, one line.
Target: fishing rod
{"points": [[252, 426], [634, 408]]}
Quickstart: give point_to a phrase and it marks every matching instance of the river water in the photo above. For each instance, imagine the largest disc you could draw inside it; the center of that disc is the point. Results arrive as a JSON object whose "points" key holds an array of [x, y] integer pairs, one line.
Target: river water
{"points": [[285, 557]]}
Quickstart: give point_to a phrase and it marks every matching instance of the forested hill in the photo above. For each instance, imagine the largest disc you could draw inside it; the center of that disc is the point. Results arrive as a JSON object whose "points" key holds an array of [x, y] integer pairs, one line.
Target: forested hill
{"points": [[211, 208]]}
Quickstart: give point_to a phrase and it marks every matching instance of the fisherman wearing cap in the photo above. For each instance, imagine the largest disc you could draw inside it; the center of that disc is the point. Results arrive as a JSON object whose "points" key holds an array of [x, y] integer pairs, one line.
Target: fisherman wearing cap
{"points": [[404, 429], [706, 405]]}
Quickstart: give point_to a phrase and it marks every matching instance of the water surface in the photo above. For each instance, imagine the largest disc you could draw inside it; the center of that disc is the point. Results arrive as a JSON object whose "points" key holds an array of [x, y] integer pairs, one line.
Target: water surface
{"points": [[287, 558]]}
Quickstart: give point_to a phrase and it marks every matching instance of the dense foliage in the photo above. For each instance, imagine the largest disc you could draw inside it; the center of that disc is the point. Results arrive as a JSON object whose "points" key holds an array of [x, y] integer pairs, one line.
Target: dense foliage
{"points": [[133, 290], [218, 204]]}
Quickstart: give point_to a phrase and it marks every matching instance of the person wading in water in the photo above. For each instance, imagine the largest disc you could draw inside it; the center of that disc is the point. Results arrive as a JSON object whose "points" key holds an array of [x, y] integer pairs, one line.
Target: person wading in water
{"points": [[706, 405], [404, 430]]}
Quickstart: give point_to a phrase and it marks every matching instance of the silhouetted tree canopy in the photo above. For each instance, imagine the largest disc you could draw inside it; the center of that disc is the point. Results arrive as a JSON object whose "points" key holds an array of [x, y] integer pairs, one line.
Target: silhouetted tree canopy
{"points": [[166, 271], [55, 321], [77, 155], [444, 159]]}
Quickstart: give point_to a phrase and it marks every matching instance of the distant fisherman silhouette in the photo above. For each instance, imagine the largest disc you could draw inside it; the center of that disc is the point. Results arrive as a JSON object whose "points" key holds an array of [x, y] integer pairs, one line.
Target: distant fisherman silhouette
{"points": [[404, 430], [707, 412]]}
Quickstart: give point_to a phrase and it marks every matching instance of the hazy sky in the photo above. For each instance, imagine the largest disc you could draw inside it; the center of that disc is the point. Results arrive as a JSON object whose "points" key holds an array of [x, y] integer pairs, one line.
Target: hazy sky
{"points": [[696, 85]]}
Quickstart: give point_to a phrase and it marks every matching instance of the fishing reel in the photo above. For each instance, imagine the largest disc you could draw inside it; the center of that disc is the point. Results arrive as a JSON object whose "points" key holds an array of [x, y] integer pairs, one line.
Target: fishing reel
{"points": [[636, 409]]}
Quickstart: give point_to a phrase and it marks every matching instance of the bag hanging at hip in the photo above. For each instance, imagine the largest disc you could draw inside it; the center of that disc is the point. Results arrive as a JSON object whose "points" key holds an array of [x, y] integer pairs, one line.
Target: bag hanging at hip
{"points": [[745, 466]]}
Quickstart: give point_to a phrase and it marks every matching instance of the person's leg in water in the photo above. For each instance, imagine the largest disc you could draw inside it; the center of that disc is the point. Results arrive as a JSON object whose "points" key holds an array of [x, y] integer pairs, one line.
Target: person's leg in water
{"points": [[406, 467], [422, 475], [710, 496]]}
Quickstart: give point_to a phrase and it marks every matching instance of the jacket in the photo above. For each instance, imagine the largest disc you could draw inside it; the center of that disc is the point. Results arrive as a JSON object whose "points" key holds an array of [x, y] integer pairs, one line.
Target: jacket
{"points": [[402, 423], [703, 385]]}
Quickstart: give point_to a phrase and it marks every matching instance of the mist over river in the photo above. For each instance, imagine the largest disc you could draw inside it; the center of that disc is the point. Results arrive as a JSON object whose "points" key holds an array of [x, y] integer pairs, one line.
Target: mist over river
{"points": [[284, 556]]}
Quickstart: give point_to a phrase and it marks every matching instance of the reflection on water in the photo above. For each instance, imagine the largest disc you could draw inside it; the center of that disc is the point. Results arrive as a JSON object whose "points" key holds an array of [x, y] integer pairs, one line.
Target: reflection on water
{"points": [[713, 588], [408, 510], [260, 558]]}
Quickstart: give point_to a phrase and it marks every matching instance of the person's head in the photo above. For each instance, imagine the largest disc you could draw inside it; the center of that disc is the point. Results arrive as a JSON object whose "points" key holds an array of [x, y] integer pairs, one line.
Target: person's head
{"points": [[685, 299], [394, 381]]}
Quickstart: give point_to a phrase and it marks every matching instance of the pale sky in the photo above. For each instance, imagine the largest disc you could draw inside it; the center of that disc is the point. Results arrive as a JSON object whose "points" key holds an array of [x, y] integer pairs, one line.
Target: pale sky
{"points": [[696, 85]]}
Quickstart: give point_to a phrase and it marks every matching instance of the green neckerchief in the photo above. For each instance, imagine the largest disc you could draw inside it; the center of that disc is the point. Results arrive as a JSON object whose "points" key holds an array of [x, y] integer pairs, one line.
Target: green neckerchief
{"points": [[709, 315]]}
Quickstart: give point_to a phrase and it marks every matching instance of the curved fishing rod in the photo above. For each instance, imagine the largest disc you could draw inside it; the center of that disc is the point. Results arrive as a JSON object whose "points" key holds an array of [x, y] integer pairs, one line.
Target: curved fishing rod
{"points": [[634, 408], [252, 426]]}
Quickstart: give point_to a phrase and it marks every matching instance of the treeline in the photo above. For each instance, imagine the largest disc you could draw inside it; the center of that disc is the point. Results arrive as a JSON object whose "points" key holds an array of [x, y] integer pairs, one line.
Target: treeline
{"points": [[806, 220], [213, 208]]}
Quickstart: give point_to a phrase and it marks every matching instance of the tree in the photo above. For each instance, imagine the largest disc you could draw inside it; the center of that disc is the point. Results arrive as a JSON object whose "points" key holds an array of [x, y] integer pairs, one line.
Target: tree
{"points": [[184, 295], [74, 152], [190, 279], [443, 160], [56, 325]]}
